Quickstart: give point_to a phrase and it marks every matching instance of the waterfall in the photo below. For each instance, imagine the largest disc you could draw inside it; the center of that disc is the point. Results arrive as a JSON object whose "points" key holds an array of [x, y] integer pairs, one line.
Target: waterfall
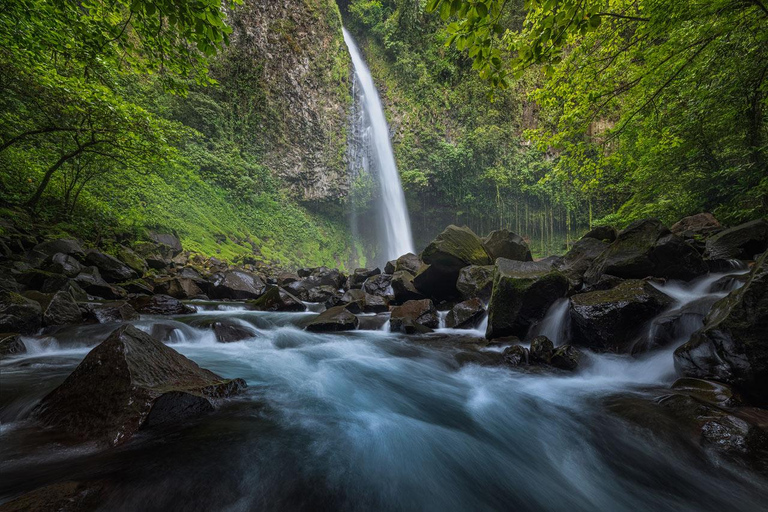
{"points": [[374, 153]]}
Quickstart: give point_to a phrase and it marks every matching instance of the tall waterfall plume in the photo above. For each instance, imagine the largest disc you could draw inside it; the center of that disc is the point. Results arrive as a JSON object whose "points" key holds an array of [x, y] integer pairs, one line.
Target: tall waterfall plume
{"points": [[373, 151]]}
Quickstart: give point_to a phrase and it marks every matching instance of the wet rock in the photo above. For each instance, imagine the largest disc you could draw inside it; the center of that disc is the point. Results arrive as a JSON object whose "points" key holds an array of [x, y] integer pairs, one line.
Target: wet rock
{"points": [[327, 276], [675, 326], [647, 248], [505, 244], [160, 305], [359, 276], [109, 396], [466, 315], [91, 281], [403, 288], [566, 357], [132, 259], [182, 288], [407, 262], [515, 355], [323, 293], [613, 319], [744, 241], [110, 268], [541, 350], [237, 285], [357, 301], [7, 283], [337, 318], [577, 261], [119, 311], [36, 279], [693, 225], [61, 497], [62, 310], [287, 278], [11, 344], [390, 267], [732, 346], [414, 316], [522, 294], [715, 393], [476, 281], [61, 263], [380, 285], [372, 322], [19, 314], [63, 246], [227, 332], [605, 234], [606, 282], [277, 299], [137, 287]]}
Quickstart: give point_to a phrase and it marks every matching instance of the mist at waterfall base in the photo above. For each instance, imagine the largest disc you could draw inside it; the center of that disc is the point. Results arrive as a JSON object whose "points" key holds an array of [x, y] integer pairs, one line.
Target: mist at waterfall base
{"points": [[371, 420], [370, 156]]}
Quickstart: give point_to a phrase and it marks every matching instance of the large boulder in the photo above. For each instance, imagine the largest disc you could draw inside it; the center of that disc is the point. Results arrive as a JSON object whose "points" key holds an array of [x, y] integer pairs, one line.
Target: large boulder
{"points": [[732, 346], [323, 293], [742, 242], [61, 263], [566, 357], [357, 301], [522, 294], [11, 345], [380, 285], [334, 319], [647, 248], [605, 234], [168, 242], [90, 280], [505, 244], [613, 319], [408, 262], [63, 246], [109, 312], [132, 259], [541, 350], [476, 281], [62, 310], [178, 287], [277, 299], [676, 326], [160, 305], [19, 314], [578, 260], [238, 285], [129, 380], [403, 288], [466, 315], [699, 224], [110, 268], [326, 276], [414, 316], [359, 276]]}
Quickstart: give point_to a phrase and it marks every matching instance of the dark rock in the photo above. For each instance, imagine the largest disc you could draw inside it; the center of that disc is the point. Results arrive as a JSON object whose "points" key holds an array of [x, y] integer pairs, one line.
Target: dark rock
{"points": [[323, 293], [137, 287], [61, 245], [359, 276], [711, 392], [699, 224], [732, 346], [603, 233], [744, 241], [729, 283], [61, 263], [110, 268], [8, 284], [337, 318], [578, 260], [390, 267], [675, 326], [407, 262], [167, 240], [19, 314], [238, 285], [61, 497], [163, 332], [403, 288], [287, 278], [380, 285], [109, 396], [227, 332], [505, 244], [413, 316], [132, 259], [541, 350], [11, 344], [327, 276], [277, 299], [354, 299], [566, 357], [613, 319], [119, 311], [160, 305], [647, 248], [91, 281], [375, 304], [62, 310], [515, 355], [476, 281], [178, 287], [372, 322], [522, 294], [466, 315], [606, 282]]}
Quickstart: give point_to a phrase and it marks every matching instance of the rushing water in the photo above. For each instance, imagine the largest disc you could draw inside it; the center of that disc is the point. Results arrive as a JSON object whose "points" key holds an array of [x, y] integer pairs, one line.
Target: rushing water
{"points": [[374, 139], [369, 420]]}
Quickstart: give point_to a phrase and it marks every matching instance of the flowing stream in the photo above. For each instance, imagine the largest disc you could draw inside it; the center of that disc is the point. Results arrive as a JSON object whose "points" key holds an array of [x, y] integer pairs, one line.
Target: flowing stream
{"points": [[370, 420], [374, 148]]}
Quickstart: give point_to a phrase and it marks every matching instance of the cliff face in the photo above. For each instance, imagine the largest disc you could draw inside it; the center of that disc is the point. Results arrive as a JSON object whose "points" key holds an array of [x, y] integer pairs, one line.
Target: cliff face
{"points": [[295, 54]]}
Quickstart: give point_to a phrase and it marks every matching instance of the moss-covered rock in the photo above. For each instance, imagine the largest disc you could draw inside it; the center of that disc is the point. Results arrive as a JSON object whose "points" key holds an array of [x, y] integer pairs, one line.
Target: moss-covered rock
{"points": [[744, 241], [503, 243], [11, 344], [579, 258], [455, 248], [334, 319], [476, 281], [277, 299], [19, 314]]}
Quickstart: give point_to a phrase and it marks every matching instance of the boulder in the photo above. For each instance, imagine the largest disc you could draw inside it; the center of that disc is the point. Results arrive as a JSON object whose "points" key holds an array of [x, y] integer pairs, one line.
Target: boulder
{"points": [[126, 381], [337, 318], [61, 263], [287, 278], [132, 259], [228, 332], [372, 322], [403, 288], [380, 285], [160, 305], [119, 311], [413, 316], [505, 244], [11, 345], [699, 224], [408, 262], [522, 294], [238, 285], [647, 248], [732, 346], [605, 234], [675, 326], [359, 276], [327, 276], [613, 319], [466, 315], [61, 497], [36, 279], [110, 268], [169, 242], [323, 293], [19, 314], [157, 256], [91, 281], [541, 351], [578, 260], [390, 267], [137, 287], [515, 355], [182, 288], [9, 284], [476, 281], [566, 357], [277, 299], [63, 246], [62, 310], [744, 241]]}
